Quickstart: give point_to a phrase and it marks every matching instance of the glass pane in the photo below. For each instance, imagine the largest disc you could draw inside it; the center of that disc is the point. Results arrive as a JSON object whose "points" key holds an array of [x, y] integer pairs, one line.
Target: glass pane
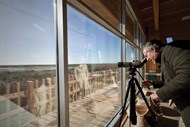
{"points": [[109, 12], [94, 83], [129, 26], [130, 53], [28, 63], [130, 56]]}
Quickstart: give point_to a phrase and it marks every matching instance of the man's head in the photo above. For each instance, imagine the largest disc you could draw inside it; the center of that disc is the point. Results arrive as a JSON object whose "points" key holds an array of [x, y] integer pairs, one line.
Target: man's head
{"points": [[151, 50]]}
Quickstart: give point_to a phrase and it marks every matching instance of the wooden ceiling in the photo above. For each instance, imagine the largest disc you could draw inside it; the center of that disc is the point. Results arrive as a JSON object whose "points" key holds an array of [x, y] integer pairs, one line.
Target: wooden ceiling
{"points": [[162, 17], [155, 13]]}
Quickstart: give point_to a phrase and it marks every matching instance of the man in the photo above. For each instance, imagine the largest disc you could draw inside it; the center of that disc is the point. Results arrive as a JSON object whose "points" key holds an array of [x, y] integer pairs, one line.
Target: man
{"points": [[174, 59]]}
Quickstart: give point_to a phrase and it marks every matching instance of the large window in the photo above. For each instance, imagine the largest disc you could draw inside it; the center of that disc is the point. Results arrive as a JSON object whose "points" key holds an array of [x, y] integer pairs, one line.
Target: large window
{"points": [[28, 71], [28, 63], [94, 84]]}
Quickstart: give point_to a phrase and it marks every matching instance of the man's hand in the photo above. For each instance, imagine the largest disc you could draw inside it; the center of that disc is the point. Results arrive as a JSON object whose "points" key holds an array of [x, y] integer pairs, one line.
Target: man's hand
{"points": [[155, 99], [146, 83]]}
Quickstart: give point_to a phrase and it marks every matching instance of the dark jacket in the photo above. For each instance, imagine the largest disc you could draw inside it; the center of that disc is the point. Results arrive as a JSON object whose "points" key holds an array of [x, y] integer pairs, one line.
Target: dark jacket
{"points": [[175, 69]]}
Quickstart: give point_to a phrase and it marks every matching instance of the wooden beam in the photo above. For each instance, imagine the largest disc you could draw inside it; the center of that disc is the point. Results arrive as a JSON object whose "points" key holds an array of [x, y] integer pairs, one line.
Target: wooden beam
{"points": [[156, 13]]}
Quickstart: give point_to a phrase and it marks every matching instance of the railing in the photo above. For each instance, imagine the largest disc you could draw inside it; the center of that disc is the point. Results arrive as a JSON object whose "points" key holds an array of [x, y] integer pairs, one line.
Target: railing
{"points": [[80, 87], [37, 99], [39, 96]]}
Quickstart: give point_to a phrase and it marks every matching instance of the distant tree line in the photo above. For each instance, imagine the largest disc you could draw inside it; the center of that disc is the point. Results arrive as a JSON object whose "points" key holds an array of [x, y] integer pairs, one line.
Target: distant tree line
{"points": [[9, 76], [20, 76], [93, 67]]}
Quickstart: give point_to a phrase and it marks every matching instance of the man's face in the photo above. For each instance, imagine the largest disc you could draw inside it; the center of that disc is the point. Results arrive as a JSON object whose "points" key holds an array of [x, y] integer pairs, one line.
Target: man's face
{"points": [[151, 54]]}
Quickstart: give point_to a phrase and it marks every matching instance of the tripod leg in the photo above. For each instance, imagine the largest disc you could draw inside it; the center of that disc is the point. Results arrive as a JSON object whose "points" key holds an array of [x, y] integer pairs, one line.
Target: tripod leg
{"points": [[152, 113], [133, 116], [126, 96]]}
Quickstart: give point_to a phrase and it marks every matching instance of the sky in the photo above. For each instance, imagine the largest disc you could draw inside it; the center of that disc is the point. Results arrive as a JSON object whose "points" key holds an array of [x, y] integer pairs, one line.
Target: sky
{"points": [[27, 36], [89, 42]]}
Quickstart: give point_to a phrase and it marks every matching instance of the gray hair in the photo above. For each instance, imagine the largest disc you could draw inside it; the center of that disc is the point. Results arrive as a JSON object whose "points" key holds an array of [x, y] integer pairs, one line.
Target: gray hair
{"points": [[148, 46], [153, 43]]}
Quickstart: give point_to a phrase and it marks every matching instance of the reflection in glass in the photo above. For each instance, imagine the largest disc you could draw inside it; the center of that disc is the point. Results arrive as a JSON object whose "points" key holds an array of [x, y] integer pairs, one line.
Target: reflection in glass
{"points": [[130, 56], [94, 83], [129, 26], [27, 64], [109, 12]]}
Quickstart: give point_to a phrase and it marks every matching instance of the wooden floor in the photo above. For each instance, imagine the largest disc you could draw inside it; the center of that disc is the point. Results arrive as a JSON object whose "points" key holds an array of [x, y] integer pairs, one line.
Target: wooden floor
{"points": [[92, 111], [48, 120], [95, 110], [82, 112]]}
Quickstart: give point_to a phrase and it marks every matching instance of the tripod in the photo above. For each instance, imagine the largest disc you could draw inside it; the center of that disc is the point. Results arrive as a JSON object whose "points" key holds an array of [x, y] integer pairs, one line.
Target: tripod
{"points": [[131, 87]]}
